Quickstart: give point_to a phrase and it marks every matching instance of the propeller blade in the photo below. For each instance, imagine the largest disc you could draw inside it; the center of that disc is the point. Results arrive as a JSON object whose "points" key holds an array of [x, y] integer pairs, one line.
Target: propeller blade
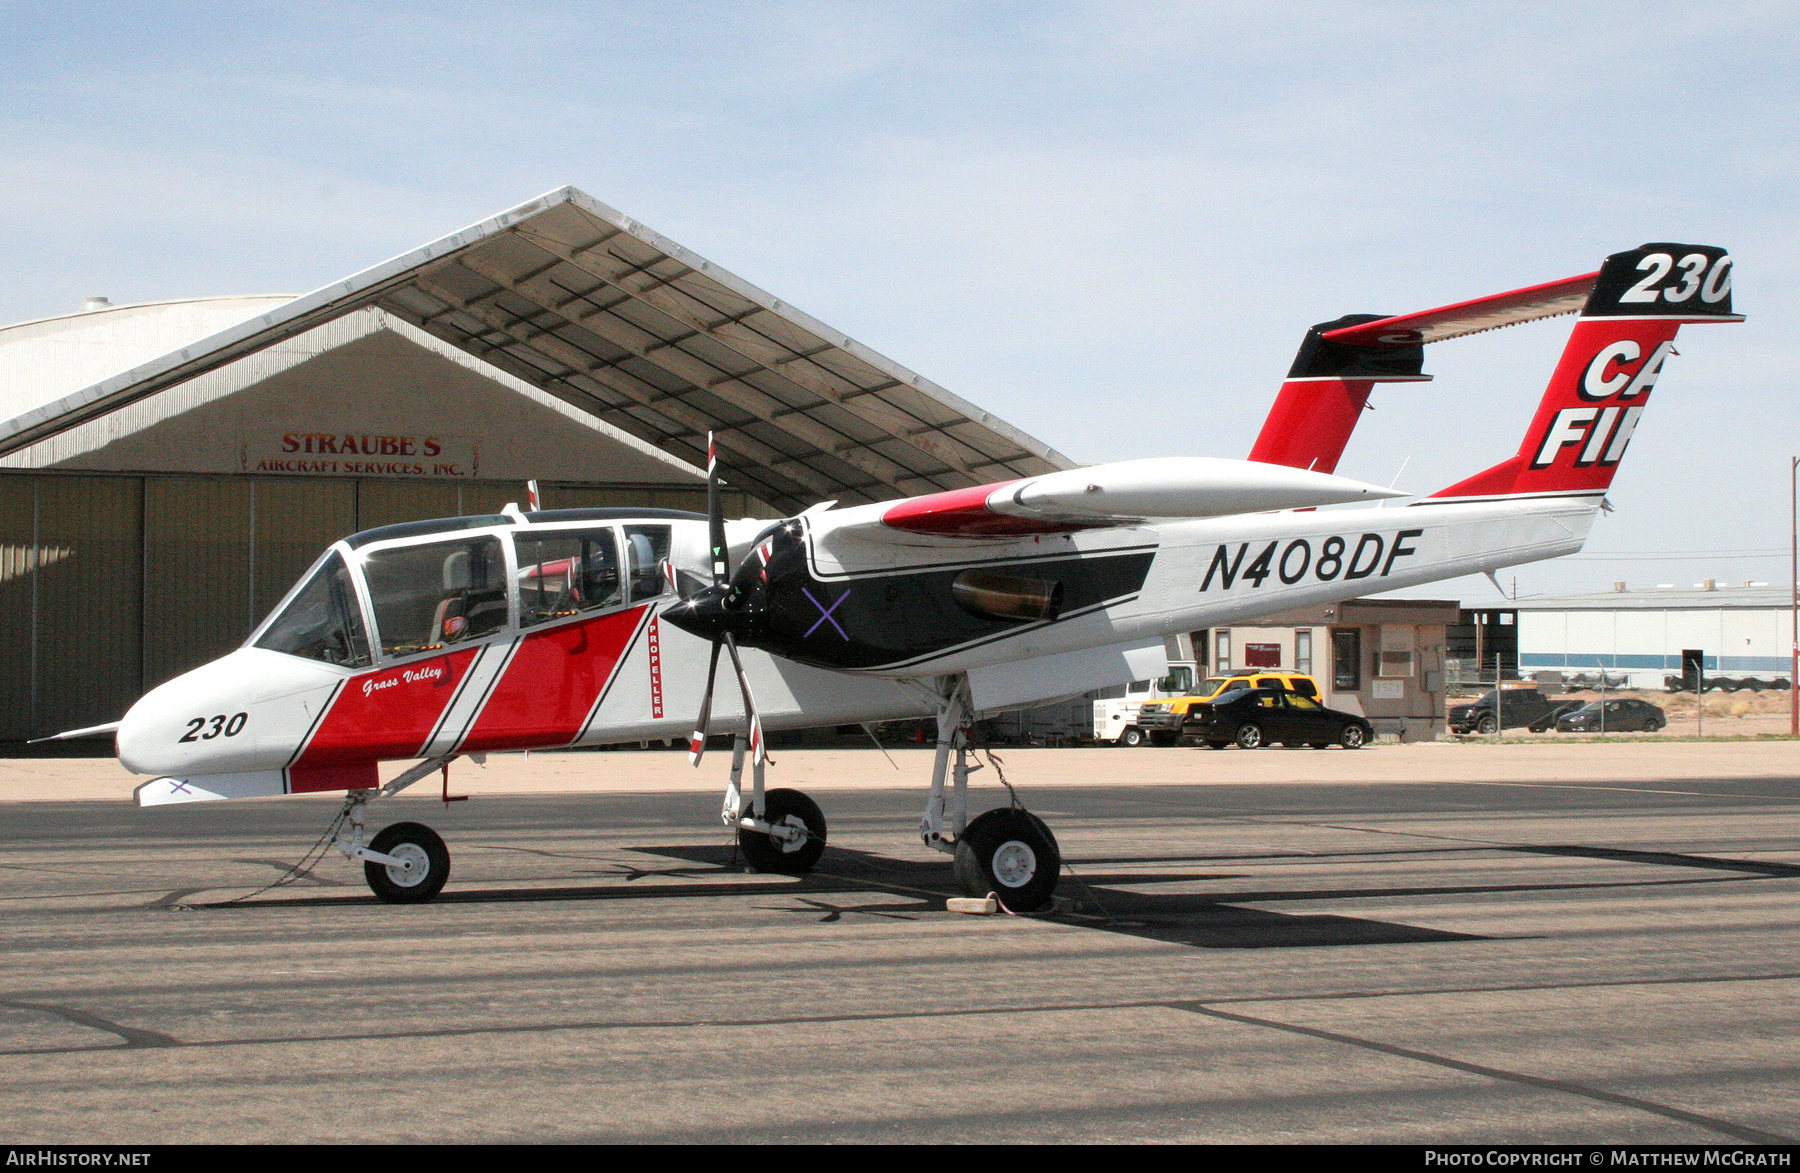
{"points": [[697, 743], [758, 751], [715, 516]]}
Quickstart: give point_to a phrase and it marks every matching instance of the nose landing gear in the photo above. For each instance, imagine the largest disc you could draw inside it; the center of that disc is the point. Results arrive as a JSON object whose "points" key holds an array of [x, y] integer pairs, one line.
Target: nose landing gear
{"points": [[422, 864], [406, 863]]}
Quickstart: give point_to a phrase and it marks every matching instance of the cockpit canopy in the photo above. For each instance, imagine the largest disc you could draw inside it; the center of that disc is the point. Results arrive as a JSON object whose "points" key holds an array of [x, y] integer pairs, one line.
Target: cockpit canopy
{"points": [[423, 587]]}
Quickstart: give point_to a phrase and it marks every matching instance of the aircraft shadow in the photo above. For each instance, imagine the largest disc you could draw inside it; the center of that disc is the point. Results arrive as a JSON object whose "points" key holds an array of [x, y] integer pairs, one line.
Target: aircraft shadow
{"points": [[1202, 921], [1111, 902]]}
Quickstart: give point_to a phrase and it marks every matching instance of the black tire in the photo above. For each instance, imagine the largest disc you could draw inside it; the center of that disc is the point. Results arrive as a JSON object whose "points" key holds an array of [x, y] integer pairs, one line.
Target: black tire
{"points": [[1249, 736], [1652, 725], [1319, 744], [1353, 737], [1218, 745], [1487, 724], [1133, 736], [766, 855], [417, 844], [1163, 737], [1011, 853]]}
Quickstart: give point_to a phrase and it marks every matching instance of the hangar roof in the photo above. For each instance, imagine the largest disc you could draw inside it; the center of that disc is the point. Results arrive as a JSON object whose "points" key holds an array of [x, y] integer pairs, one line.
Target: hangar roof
{"points": [[593, 307], [1725, 597]]}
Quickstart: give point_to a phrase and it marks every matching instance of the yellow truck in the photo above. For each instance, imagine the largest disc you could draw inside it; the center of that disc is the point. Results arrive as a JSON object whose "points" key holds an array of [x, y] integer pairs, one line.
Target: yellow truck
{"points": [[1160, 721]]}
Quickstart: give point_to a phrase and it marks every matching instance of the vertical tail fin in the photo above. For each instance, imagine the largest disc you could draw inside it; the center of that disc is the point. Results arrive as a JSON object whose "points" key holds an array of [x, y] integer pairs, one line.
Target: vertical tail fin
{"points": [[1325, 393], [1614, 355]]}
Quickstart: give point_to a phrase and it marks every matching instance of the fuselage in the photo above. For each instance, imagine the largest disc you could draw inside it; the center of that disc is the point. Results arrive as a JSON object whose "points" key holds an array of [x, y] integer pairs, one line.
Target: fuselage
{"points": [[475, 635]]}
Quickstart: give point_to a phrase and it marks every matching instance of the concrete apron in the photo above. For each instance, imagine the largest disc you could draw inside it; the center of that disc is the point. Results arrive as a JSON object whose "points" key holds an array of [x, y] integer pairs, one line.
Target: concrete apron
{"points": [[1563, 762]]}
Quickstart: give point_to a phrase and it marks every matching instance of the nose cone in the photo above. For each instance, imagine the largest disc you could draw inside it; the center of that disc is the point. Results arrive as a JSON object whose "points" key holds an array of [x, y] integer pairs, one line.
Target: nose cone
{"points": [[705, 614], [246, 711]]}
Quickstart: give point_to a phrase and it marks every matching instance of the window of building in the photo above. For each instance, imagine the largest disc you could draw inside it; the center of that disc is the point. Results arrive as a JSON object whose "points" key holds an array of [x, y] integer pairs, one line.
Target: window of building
{"points": [[1222, 651], [323, 622], [1200, 641], [1396, 663], [646, 557], [1303, 650], [565, 573], [1346, 659], [427, 597]]}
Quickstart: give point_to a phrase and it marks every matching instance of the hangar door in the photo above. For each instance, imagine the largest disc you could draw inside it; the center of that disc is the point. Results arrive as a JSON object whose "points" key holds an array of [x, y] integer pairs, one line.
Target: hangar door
{"points": [[111, 584]]}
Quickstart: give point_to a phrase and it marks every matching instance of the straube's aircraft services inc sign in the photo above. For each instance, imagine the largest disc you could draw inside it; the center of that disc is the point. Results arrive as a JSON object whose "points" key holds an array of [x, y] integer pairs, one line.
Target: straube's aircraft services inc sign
{"points": [[362, 454]]}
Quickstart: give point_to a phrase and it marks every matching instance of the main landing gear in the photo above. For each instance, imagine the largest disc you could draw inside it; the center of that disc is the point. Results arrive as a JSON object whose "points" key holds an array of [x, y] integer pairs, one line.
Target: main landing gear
{"points": [[1008, 852], [780, 830]]}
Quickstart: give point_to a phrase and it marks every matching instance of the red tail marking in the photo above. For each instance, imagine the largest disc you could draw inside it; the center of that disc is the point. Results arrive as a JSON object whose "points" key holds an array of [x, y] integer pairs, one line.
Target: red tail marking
{"points": [[1585, 420], [1311, 421]]}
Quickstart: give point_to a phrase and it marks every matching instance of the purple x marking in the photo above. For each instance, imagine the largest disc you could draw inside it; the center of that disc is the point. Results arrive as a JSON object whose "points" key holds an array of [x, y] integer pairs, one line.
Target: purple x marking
{"points": [[178, 786], [825, 614]]}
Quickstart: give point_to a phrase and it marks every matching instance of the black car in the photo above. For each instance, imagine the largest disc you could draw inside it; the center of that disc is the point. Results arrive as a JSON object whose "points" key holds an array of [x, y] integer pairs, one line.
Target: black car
{"points": [[1255, 717], [1519, 708], [1622, 715]]}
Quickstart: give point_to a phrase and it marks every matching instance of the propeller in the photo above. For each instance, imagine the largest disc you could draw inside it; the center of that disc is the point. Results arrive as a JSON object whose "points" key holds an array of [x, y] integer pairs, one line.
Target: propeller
{"points": [[721, 580]]}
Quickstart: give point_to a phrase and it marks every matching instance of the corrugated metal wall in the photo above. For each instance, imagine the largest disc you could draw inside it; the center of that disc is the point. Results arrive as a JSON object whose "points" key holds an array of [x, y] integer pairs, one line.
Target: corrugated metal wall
{"points": [[111, 584]]}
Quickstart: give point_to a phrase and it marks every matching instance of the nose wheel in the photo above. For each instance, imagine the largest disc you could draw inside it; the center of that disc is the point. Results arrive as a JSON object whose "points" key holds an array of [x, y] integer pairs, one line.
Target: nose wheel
{"points": [[420, 864]]}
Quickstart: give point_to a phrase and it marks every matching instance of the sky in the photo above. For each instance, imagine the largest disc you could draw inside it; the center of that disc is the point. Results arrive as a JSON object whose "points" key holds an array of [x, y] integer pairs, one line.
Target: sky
{"points": [[1109, 224]]}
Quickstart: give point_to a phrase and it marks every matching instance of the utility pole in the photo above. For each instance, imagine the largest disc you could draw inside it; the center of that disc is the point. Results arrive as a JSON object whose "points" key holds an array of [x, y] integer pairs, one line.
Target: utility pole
{"points": [[1794, 595]]}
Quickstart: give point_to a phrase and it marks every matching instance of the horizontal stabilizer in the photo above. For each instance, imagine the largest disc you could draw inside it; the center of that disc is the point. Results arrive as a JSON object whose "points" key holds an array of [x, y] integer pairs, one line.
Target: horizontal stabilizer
{"points": [[1128, 492], [1471, 317]]}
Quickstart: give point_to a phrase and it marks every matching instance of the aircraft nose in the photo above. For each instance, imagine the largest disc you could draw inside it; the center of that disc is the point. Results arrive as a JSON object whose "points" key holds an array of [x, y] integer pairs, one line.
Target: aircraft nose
{"points": [[245, 711]]}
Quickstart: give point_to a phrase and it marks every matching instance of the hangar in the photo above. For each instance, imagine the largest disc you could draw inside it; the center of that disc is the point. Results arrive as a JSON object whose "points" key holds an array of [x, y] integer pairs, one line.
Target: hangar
{"points": [[167, 470], [1746, 633]]}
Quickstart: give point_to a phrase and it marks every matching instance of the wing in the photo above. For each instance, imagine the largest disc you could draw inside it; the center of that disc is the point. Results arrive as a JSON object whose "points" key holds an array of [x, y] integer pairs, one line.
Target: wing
{"points": [[1126, 493]]}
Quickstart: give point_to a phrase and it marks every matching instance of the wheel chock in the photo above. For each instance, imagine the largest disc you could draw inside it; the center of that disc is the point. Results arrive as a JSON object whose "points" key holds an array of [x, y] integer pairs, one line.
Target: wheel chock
{"points": [[973, 905]]}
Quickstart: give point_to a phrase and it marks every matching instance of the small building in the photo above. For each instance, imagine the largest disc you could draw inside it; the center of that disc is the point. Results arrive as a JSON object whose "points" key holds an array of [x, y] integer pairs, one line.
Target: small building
{"points": [[1637, 637], [1380, 658]]}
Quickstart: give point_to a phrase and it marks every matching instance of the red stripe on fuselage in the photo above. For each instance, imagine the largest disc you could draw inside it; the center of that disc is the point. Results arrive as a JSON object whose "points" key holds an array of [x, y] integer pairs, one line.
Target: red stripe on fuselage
{"points": [[380, 716], [552, 683]]}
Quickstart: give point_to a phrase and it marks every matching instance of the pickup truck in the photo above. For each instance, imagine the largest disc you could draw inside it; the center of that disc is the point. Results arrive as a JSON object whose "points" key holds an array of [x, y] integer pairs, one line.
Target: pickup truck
{"points": [[1518, 708]]}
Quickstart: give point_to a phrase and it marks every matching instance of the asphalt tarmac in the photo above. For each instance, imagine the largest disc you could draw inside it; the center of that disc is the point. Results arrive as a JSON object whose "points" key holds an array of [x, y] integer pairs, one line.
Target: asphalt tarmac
{"points": [[1432, 962]]}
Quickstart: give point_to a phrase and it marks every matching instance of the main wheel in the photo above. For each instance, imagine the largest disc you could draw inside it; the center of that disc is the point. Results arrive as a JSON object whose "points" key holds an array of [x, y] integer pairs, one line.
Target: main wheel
{"points": [[1652, 725], [423, 868], [1011, 853], [1133, 736], [793, 809], [1487, 724], [1249, 736], [1352, 737]]}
